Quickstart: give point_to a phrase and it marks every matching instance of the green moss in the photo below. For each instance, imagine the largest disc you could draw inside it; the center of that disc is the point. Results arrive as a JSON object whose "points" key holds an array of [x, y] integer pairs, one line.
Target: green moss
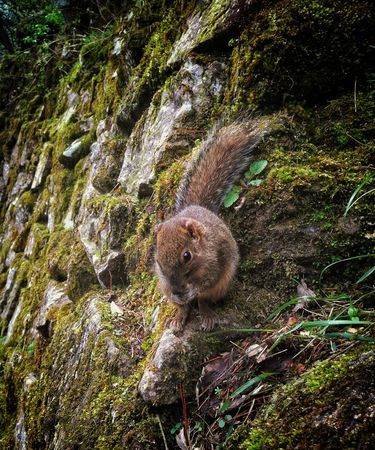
{"points": [[328, 372], [7, 410], [59, 254], [110, 416], [106, 203], [167, 184], [298, 175], [303, 64], [152, 69], [303, 412], [80, 273], [27, 200]]}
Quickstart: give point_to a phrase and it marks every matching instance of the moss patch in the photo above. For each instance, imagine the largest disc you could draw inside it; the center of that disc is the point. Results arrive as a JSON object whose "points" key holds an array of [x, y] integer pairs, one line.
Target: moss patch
{"points": [[333, 396]]}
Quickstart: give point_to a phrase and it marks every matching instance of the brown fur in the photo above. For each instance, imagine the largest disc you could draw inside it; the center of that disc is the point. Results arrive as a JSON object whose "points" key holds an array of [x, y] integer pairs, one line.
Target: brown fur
{"points": [[197, 256]]}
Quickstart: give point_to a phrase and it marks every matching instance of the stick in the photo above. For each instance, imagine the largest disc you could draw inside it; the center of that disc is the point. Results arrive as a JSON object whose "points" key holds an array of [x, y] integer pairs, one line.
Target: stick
{"points": [[162, 432]]}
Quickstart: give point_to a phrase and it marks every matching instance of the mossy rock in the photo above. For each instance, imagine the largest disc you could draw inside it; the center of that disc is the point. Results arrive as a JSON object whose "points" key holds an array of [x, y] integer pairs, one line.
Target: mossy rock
{"points": [[329, 407], [304, 50]]}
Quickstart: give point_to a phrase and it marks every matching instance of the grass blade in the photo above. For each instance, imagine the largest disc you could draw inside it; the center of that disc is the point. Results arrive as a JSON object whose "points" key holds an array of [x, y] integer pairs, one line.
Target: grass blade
{"points": [[359, 187], [366, 275], [370, 255], [329, 323], [349, 336], [281, 308], [250, 383]]}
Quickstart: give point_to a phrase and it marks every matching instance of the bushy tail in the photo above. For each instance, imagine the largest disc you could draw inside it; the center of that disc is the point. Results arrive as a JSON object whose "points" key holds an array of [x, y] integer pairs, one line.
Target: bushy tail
{"points": [[219, 164]]}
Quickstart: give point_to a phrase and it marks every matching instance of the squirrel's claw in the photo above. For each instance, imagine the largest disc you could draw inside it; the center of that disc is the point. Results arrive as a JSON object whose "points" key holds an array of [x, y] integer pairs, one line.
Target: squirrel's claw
{"points": [[176, 324], [210, 321], [179, 317]]}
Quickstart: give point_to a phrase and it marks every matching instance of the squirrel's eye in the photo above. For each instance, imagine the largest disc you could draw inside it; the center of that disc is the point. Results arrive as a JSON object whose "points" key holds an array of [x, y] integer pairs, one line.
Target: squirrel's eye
{"points": [[187, 256]]}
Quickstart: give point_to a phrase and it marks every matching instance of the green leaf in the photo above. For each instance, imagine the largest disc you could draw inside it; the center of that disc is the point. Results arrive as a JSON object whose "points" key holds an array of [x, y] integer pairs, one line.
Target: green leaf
{"points": [[31, 347], [228, 417], [351, 201], [250, 383], [221, 423], [256, 168], [328, 323], [285, 305], [176, 427], [225, 404], [366, 275], [256, 182], [232, 196], [349, 336], [353, 312]]}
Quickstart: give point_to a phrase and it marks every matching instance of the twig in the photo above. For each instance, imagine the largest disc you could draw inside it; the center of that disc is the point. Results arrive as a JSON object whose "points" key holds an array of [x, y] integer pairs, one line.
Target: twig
{"points": [[250, 410], [110, 280], [162, 432], [184, 413], [354, 139]]}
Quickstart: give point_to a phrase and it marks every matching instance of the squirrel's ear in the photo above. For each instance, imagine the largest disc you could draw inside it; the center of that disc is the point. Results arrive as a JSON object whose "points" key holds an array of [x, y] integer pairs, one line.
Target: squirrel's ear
{"points": [[194, 228]]}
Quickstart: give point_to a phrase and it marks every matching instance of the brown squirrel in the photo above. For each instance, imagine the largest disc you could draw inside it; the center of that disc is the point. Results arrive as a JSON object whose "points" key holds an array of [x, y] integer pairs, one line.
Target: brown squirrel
{"points": [[196, 254]]}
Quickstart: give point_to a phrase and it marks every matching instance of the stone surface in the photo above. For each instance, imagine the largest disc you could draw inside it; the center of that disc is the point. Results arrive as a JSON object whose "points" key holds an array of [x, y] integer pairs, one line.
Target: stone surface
{"points": [[12, 321], [9, 298], [43, 167], [100, 232], [206, 23], [55, 297], [183, 105], [160, 381], [74, 152]]}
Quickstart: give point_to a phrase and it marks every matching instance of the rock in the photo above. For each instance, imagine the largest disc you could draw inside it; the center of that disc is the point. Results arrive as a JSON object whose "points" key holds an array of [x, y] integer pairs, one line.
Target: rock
{"points": [[104, 130], [9, 298], [68, 221], [183, 105], [27, 153], [55, 297], [101, 232], [75, 151], [72, 103], [116, 310], [104, 162], [107, 167], [12, 321], [145, 190], [117, 46], [207, 23], [81, 353], [22, 184], [112, 272], [4, 177], [160, 381], [87, 124], [20, 433], [43, 167], [10, 257]]}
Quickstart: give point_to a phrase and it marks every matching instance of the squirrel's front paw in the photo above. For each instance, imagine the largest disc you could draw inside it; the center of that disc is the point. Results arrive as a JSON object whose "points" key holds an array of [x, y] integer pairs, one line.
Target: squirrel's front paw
{"points": [[177, 321], [209, 321]]}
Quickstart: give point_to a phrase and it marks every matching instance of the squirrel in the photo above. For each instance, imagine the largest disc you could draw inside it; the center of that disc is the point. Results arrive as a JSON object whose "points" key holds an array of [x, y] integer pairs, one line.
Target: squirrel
{"points": [[196, 254]]}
